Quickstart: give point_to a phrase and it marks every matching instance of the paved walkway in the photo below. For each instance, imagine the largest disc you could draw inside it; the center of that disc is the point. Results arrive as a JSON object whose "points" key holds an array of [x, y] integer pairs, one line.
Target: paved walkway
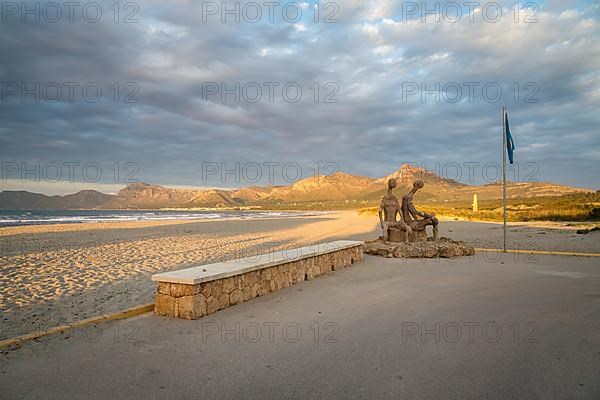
{"points": [[383, 329]]}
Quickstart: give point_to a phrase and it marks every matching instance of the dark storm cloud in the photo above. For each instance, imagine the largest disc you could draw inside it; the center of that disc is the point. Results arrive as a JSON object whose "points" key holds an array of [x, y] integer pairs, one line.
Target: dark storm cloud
{"points": [[371, 55]]}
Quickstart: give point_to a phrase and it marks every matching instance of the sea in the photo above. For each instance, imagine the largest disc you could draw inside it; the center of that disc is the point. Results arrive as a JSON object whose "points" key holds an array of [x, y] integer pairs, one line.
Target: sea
{"points": [[45, 217]]}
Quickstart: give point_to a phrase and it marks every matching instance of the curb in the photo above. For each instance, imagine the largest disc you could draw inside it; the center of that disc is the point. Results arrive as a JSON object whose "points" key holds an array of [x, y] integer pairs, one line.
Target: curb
{"points": [[131, 312], [546, 252]]}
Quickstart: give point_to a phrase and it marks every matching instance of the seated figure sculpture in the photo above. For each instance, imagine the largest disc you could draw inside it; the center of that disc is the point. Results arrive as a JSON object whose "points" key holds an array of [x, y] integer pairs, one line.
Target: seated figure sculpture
{"points": [[411, 214], [390, 207]]}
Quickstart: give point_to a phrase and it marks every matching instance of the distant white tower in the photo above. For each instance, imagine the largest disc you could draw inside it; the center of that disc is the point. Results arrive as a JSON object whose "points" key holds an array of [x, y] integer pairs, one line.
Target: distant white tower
{"points": [[475, 206]]}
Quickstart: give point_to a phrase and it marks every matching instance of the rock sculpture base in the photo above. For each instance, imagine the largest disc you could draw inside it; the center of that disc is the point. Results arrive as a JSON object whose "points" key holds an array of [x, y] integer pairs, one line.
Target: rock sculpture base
{"points": [[397, 235], [444, 248]]}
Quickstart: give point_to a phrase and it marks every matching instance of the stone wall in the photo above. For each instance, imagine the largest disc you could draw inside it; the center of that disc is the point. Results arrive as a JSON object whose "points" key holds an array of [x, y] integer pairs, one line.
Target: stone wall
{"points": [[194, 301]]}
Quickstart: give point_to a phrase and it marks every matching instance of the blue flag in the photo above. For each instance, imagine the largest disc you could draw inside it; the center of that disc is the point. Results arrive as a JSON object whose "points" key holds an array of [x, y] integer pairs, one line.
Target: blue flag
{"points": [[510, 144]]}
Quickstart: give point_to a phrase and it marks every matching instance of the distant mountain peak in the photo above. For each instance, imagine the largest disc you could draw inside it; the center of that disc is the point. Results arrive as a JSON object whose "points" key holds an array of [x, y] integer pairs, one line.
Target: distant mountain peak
{"points": [[408, 173], [139, 186]]}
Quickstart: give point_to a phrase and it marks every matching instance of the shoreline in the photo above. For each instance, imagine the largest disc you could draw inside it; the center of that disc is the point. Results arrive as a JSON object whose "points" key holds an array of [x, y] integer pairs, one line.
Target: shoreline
{"points": [[133, 224]]}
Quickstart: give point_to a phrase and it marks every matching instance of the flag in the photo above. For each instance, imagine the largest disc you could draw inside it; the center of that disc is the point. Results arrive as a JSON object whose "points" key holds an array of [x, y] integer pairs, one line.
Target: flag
{"points": [[510, 144]]}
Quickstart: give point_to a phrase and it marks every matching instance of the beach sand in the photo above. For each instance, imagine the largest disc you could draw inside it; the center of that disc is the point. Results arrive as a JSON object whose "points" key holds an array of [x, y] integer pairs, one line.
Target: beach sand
{"points": [[56, 274]]}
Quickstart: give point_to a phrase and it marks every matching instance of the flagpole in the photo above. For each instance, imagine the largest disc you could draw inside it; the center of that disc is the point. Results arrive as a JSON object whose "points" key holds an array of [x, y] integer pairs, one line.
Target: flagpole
{"points": [[504, 172]]}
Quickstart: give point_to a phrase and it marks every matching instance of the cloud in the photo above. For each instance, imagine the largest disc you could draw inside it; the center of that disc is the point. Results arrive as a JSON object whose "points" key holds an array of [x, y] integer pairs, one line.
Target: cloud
{"points": [[366, 62]]}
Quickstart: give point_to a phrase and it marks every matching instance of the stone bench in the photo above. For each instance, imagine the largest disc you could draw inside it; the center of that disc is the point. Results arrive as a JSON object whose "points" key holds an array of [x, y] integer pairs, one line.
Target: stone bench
{"points": [[193, 292]]}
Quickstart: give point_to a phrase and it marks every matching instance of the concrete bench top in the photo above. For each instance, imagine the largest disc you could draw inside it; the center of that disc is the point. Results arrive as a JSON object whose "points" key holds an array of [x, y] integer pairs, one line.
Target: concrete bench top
{"points": [[211, 272]]}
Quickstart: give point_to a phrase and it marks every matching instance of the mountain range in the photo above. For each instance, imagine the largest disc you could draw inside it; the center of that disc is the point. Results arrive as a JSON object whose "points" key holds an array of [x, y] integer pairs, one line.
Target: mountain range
{"points": [[336, 190]]}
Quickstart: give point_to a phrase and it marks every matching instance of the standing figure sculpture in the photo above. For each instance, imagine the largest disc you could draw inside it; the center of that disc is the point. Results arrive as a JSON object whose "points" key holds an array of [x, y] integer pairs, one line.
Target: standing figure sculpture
{"points": [[411, 214], [390, 207]]}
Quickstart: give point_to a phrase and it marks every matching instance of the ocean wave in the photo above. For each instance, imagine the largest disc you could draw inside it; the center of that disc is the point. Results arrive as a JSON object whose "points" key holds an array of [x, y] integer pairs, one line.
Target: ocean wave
{"points": [[17, 218]]}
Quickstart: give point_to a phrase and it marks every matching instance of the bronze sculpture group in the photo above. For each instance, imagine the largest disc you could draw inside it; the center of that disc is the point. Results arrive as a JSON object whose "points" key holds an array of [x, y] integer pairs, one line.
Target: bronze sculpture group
{"points": [[411, 220], [406, 236]]}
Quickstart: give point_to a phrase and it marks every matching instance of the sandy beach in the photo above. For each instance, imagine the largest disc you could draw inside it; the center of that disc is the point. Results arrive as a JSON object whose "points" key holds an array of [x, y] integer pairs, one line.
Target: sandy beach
{"points": [[56, 274]]}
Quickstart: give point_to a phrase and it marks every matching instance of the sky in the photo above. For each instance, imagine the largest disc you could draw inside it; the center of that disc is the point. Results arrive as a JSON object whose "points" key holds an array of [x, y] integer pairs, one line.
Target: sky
{"points": [[182, 94]]}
